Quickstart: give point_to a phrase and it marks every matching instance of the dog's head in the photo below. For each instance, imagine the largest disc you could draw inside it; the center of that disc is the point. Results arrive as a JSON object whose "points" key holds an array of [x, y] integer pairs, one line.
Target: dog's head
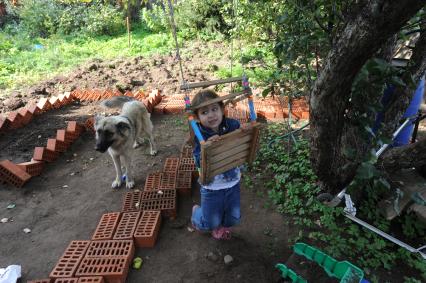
{"points": [[110, 131]]}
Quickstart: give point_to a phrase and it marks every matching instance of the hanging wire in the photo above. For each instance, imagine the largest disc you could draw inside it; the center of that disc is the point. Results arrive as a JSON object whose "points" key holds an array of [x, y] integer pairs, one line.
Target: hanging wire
{"points": [[173, 24]]}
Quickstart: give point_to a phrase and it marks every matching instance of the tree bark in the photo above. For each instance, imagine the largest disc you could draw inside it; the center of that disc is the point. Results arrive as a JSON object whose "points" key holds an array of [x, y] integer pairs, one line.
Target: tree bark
{"points": [[361, 37], [412, 155]]}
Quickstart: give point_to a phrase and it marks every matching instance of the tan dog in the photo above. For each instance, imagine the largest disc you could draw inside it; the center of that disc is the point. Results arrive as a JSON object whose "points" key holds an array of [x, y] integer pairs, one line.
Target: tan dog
{"points": [[122, 133]]}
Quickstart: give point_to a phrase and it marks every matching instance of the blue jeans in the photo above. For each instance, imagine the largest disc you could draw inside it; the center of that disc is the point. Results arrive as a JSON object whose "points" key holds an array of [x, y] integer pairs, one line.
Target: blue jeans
{"points": [[218, 208]]}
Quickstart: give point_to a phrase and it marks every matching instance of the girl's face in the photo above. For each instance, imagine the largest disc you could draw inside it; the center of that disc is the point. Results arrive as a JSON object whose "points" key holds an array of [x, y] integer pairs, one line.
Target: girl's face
{"points": [[211, 116]]}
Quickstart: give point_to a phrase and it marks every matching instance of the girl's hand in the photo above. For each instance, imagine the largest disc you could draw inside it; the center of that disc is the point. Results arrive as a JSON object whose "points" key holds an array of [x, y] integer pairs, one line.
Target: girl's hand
{"points": [[214, 138]]}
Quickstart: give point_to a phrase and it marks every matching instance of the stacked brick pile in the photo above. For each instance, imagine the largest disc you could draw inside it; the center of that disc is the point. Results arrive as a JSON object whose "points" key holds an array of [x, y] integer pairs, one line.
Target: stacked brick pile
{"points": [[107, 257], [18, 174], [22, 116]]}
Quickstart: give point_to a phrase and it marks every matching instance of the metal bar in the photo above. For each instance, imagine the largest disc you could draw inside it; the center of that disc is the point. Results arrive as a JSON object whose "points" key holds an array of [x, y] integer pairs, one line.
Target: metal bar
{"points": [[385, 235], [385, 146], [209, 83], [222, 98]]}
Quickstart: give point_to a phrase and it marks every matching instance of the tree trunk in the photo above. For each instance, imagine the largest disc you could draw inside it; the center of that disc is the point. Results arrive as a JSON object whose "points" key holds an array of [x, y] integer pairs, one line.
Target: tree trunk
{"points": [[412, 155], [361, 38]]}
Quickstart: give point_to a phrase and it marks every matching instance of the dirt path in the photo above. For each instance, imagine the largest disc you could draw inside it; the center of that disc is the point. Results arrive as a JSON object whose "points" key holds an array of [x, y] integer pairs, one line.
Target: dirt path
{"points": [[57, 214]]}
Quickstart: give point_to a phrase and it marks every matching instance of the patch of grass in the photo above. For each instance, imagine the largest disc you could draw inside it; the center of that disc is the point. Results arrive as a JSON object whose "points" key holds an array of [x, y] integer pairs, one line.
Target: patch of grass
{"points": [[25, 63], [291, 184]]}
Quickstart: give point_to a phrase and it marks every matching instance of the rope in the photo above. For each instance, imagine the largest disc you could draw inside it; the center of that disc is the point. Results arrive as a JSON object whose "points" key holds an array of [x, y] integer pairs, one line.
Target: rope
{"points": [[173, 24]]}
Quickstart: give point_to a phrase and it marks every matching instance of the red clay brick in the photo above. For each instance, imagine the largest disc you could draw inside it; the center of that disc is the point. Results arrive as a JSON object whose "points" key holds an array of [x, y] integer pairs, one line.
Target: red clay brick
{"points": [[184, 182], [174, 108], [32, 167], [186, 152], [74, 127], [76, 93], [167, 206], [69, 95], [147, 229], [111, 248], [91, 279], [13, 174], [131, 201], [90, 124], [56, 145], [127, 225], [34, 109], [27, 116], [54, 101], [160, 194], [4, 124], [107, 94], [64, 136], [187, 164], [113, 269], [70, 259], [168, 180], [40, 281], [171, 164], [66, 280], [159, 109], [107, 226], [140, 95], [44, 154], [44, 104], [15, 119], [153, 181]]}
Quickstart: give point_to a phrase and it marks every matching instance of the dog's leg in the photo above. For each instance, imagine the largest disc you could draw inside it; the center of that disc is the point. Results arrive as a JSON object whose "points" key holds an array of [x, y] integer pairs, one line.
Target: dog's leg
{"points": [[153, 145], [117, 164], [130, 183]]}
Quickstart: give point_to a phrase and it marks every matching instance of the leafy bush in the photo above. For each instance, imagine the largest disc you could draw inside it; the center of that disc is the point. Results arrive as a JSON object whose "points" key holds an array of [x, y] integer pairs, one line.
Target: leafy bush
{"points": [[45, 18], [156, 19]]}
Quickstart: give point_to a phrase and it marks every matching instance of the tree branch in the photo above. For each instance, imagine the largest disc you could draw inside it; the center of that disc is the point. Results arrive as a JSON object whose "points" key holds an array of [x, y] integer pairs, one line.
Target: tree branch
{"points": [[412, 155]]}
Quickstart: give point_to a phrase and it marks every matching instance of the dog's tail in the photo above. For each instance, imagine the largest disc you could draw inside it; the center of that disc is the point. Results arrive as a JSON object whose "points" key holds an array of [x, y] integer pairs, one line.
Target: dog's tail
{"points": [[116, 101]]}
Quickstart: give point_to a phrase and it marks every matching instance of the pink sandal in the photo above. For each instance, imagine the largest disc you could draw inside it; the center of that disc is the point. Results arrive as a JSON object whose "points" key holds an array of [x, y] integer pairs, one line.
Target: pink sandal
{"points": [[221, 233]]}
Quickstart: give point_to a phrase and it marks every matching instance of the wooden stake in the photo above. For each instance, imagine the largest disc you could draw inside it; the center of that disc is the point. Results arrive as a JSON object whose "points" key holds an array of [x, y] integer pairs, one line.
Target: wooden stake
{"points": [[128, 29]]}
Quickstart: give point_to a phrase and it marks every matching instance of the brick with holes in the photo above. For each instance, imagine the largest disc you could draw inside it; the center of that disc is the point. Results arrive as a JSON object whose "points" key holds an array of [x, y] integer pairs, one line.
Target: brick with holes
{"points": [[44, 104], [167, 206], [54, 101], [147, 229], [168, 181], [66, 280], [153, 181], [70, 259], [15, 120], [107, 226], [64, 136], [33, 167], [187, 164], [44, 154], [56, 145], [160, 194], [34, 109], [127, 225], [184, 183], [111, 248], [171, 164], [47, 280], [13, 174], [27, 116], [113, 269], [91, 279], [131, 201]]}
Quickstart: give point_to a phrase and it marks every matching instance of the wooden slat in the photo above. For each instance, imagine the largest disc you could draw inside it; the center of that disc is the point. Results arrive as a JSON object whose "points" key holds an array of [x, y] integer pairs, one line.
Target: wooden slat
{"points": [[222, 163], [239, 148], [227, 167], [254, 145], [209, 83]]}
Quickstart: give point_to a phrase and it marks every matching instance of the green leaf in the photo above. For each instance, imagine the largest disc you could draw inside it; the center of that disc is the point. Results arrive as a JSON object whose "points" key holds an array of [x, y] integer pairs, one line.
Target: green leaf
{"points": [[366, 171]]}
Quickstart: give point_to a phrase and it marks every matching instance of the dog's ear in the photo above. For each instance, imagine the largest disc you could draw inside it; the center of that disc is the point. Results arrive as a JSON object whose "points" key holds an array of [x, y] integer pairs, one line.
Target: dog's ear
{"points": [[122, 127]]}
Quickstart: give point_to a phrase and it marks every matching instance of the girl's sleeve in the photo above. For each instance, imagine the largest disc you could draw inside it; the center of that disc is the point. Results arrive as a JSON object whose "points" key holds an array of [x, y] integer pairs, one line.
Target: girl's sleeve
{"points": [[196, 152], [233, 124]]}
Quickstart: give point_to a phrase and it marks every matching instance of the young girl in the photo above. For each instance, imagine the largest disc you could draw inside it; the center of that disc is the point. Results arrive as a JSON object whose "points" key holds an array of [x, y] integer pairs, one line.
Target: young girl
{"points": [[220, 199]]}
